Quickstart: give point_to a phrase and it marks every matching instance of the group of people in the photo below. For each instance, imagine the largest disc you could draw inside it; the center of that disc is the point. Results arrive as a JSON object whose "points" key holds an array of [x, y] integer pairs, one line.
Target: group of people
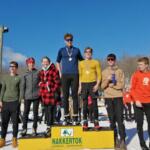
{"points": [[83, 76]]}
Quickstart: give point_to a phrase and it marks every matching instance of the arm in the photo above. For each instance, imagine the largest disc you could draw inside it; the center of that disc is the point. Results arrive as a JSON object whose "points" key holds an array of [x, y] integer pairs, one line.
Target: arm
{"points": [[22, 87], [58, 65], [79, 55], [105, 81], [80, 77], [99, 76]]}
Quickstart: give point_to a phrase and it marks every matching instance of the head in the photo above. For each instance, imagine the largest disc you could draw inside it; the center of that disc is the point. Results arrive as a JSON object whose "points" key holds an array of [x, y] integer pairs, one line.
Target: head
{"points": [[13, 67], [30, 63], [88, 51], [45, 62], [68, 39], [111, 59], [143, 64]]}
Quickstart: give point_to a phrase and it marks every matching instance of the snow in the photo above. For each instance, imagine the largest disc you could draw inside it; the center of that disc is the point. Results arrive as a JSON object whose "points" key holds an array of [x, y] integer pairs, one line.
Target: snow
{"points": [[131, 134]]}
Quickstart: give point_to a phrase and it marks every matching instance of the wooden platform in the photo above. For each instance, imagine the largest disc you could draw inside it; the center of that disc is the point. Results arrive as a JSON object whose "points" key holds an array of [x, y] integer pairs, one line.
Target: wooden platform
{"points": [[70, 137]]}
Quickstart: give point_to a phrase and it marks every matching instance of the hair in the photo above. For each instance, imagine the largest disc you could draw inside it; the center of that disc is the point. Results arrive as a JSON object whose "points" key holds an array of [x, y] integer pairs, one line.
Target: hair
{"points": [[89, 49], [68, 35], [30, 59], [14, 63], [112, 56], [144, 59], [45, 57]]}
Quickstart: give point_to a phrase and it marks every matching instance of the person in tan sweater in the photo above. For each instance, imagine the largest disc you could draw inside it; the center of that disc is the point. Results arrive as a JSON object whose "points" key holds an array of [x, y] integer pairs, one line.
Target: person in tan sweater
{"points": [[112, 85]]}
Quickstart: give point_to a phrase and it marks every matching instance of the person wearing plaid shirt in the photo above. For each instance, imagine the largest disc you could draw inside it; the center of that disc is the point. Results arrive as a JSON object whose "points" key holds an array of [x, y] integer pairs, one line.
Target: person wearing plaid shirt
{"points": [[49, 85]]}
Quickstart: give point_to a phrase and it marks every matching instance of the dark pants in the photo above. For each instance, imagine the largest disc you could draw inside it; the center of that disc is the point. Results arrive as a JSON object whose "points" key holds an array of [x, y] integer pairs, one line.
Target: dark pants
{"points": [[27, 104], [87, 90], [128, 114], [10, 110], [139, 117], [114, 108], [70, 81], [49, 114]]}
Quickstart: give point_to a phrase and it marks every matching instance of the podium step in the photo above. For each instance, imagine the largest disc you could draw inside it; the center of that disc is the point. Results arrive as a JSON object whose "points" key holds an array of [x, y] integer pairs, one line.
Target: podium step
{"points": [[70, 137]]}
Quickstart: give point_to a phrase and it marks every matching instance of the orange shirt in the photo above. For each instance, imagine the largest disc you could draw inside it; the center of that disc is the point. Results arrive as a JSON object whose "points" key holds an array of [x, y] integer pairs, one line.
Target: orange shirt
{"points": [[127, 97], [140, 86]]}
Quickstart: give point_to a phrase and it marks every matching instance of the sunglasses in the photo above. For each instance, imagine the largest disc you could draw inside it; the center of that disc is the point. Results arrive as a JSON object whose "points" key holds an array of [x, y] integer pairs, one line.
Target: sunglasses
{"points": [[87, 52], [12, 66], [69, 40], [110, 59]]}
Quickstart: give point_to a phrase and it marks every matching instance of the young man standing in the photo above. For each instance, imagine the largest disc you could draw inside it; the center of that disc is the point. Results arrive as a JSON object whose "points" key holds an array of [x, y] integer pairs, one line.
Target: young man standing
{"points": [[9, 102], [140, 92], [67, 64], [30, 89], [113, 84], [90, 78]]}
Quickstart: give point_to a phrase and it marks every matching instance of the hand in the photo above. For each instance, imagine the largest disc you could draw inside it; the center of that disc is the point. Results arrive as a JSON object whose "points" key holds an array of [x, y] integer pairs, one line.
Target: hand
{"points": [[95, 88], [109, 77], [138, 104], [111, 85]]}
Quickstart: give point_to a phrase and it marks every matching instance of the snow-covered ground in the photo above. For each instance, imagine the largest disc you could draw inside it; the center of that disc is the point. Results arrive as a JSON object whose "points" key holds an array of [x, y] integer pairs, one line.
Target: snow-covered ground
{"points": [[131, 138]]}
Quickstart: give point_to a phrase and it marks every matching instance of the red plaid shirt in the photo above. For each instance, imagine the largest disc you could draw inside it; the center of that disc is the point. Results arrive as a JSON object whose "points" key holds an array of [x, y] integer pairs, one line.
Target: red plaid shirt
{"points": [[49, 84]]}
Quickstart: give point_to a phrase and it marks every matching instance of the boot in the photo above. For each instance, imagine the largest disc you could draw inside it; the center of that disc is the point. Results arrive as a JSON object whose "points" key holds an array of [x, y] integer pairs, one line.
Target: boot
{"points": [[117, 143], [144, 146], [123, 145], [14, 142], [85, 125], [48, 132], [24, 132], [96, 125], [2, 142], [34, 132]]}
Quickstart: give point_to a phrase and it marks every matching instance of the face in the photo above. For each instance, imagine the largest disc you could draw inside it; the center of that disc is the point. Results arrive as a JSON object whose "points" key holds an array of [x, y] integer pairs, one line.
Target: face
{"points": [[142, 66], [45, 63], [31, 66], [88, 54], [13, 69], [111, 61], [68, 41]]}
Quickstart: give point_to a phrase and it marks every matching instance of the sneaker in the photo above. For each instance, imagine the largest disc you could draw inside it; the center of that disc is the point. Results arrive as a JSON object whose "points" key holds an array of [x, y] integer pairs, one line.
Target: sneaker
{"points": [[96, 125], [144, 146], [2, 142], [34, 133], [85, 125], [66, 121], [123, 145], [14, 142], [24, 132], [117, 144], [48, 132]]}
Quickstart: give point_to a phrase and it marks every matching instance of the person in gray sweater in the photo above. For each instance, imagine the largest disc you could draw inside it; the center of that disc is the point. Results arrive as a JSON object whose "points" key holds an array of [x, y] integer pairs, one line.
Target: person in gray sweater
{"points": [[30, 89]]}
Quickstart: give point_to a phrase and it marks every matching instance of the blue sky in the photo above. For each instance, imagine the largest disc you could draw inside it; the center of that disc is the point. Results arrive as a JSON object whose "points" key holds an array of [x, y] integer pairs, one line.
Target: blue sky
{"points": [[36, 27]]}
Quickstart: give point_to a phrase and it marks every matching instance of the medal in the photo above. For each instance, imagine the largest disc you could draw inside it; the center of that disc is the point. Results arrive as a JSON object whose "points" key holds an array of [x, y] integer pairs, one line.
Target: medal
{"points": [[70, 59], [69, 53]]}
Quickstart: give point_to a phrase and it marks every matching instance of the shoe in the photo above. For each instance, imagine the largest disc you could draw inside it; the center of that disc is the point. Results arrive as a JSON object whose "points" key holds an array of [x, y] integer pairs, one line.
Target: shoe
{"points": [[34, 133], [123, 145], [24, 132], [2, 142], [144, 146], [14, 142], [117, 144], [85, 125], [48, 132], [65, 122], [75, 121], [96, 125]]}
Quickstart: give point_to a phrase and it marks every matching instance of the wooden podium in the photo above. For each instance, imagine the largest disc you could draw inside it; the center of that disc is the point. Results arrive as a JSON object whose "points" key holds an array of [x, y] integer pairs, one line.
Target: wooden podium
{"points": [[70, 138]]}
